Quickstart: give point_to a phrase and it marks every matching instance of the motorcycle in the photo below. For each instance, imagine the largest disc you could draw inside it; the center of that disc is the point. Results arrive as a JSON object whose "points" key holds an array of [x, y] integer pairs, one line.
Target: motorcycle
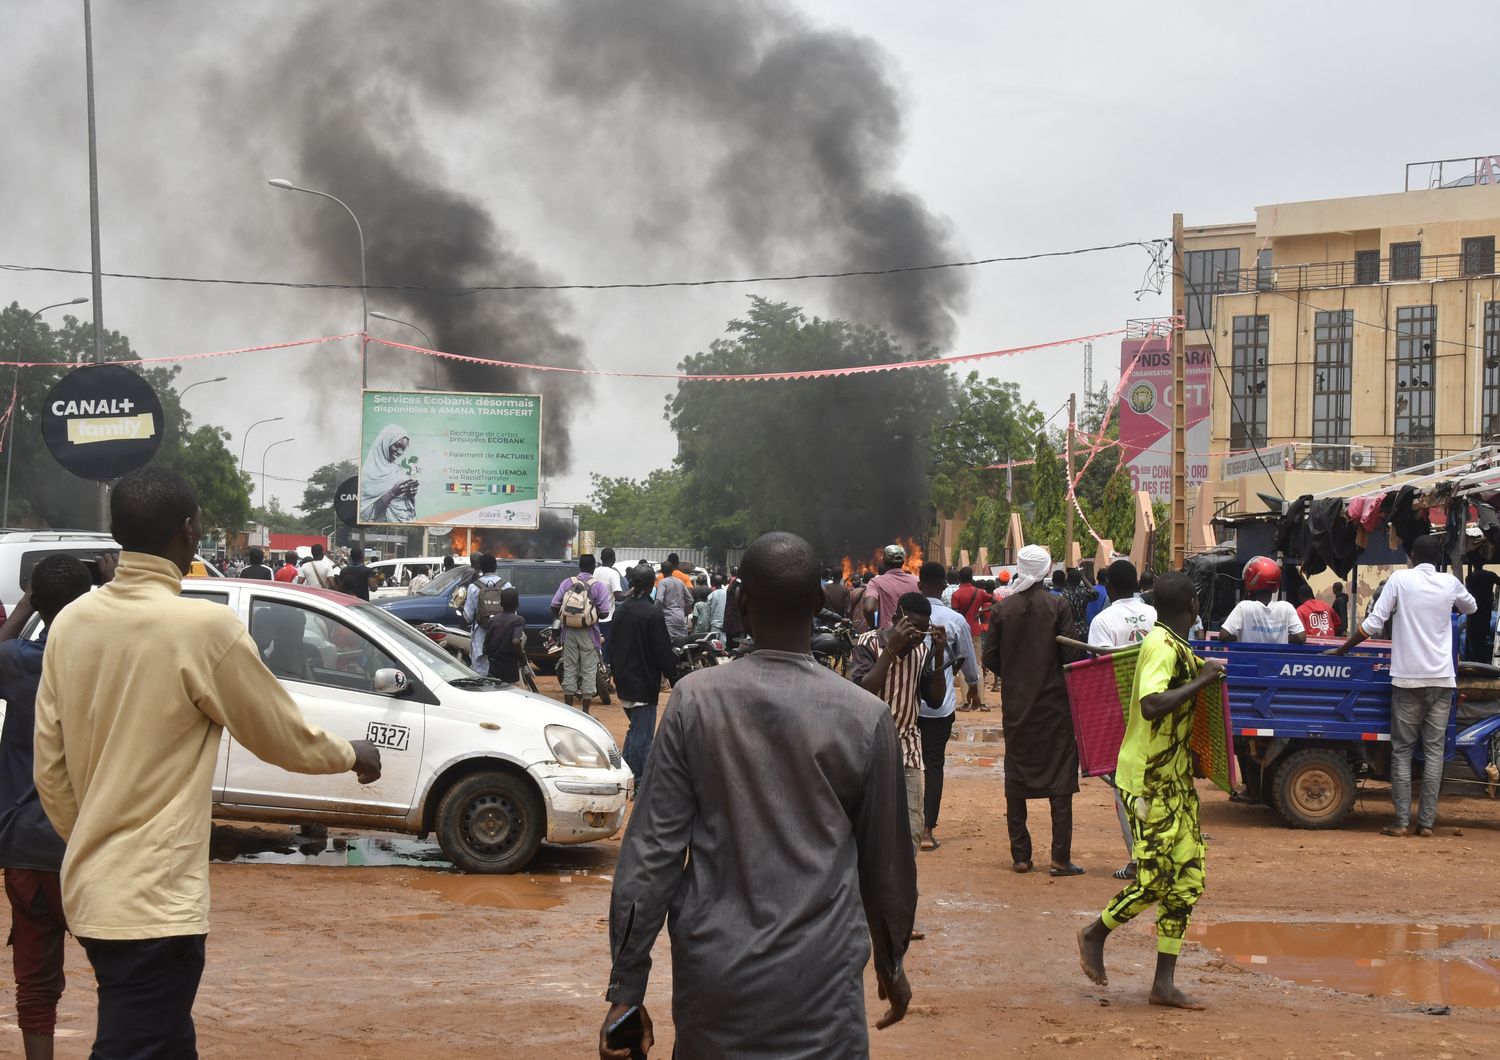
{"points": [[833, 641], [699, 653]]}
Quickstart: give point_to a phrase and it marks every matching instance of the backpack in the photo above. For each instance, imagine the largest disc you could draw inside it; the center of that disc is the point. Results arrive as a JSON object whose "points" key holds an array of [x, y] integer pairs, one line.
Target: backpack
{"points": [[489, 604], [578, 610]]}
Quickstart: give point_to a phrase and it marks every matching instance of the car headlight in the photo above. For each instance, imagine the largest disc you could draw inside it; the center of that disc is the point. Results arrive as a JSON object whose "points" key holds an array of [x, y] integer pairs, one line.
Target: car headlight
{"points": [[572, 748]]}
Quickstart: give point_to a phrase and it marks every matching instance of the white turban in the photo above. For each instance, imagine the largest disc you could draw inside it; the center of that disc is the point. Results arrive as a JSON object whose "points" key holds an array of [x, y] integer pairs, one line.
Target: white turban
{"points": [[1033, 565]]}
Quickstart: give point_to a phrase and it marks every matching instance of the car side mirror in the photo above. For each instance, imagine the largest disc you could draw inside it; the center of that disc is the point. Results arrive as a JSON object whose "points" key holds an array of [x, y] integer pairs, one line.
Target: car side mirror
{"points": [[391, 682]]}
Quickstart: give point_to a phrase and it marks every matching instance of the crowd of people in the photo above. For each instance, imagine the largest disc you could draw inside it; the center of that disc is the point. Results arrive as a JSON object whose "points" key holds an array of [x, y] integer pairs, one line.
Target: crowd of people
{"points": [[782, 806]]}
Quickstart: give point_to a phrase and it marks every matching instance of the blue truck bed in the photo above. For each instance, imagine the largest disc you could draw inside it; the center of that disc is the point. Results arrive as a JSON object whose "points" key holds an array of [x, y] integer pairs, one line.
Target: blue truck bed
{"points": [[1295, 692]]}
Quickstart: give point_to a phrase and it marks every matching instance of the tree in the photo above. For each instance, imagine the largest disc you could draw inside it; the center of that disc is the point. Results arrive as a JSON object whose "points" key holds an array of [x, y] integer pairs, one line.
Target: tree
{"points": [[648, 513], [319, 493], [223, 489], [1048, 523], [988, 424], [985, 527], [41, 494], [844, 462], [277, 520]]}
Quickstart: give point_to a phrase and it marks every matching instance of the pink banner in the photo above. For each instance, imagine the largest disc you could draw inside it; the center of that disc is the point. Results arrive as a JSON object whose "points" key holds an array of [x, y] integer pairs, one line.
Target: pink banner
{"points": [[1146, 414]]}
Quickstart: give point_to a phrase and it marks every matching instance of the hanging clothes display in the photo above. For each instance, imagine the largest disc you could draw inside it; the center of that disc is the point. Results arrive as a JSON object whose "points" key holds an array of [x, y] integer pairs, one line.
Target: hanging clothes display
{"points": [[1333, 538]]}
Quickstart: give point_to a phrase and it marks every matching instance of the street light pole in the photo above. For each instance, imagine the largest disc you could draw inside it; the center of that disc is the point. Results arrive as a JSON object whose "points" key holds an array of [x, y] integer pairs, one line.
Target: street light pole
{"points": [[10, 430], [101, 492], [245, 441], [364, 281], [427, 338], [202, 382], [268, 448]]}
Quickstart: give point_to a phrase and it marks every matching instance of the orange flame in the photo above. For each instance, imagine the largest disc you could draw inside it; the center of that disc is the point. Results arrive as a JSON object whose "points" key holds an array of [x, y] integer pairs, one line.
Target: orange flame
{"points": [[875, 563]]}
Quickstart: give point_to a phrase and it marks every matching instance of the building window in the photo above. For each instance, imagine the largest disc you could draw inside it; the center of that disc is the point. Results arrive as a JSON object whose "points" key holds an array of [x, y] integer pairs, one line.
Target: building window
{"points": [[1333, 358], [1490, 428], [1416, 330], [1264, 279], [1406, 261], [1247, 382], [1208, 273], [1367, 266], [1479, 256]]}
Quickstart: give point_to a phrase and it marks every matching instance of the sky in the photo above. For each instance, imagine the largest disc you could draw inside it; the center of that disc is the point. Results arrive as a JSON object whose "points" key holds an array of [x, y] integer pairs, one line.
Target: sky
{"points": [[1027, 128]]}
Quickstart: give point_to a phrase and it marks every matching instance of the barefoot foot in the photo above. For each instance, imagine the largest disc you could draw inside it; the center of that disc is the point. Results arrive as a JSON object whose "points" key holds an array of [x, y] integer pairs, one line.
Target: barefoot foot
{"points": [[1091, 956], [1171, 997]]}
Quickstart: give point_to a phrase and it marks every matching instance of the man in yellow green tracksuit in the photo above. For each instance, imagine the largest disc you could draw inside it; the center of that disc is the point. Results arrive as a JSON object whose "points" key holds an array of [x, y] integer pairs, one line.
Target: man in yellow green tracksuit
{"points": [[1155, 779]]}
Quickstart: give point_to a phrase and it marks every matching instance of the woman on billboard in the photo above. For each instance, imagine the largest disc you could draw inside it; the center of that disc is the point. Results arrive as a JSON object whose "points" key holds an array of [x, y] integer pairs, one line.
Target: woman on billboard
{"points": [[387, 482]]}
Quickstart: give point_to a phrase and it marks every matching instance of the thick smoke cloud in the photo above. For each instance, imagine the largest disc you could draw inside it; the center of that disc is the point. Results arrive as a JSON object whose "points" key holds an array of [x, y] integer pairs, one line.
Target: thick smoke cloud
{"points": [[807, 125]]}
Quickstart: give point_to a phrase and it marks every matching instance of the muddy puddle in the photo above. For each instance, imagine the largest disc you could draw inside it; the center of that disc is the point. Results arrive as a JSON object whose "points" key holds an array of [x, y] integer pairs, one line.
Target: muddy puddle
{"points": [[535, 891], [1424, 964]]}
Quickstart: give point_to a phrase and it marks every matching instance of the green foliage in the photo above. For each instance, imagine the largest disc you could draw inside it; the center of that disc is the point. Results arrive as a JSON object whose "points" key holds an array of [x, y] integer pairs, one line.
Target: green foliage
{"points": [[838, 461], [41, 493], [1048, 523], [318, 495], [646, 513], [985, 528], [206, 462], [1162, 556], [988, 424], [278, 520]]}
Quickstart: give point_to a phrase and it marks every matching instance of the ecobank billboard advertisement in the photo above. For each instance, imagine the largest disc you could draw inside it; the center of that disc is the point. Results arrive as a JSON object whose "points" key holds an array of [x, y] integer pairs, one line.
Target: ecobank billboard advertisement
{"points": [[438, 459]]}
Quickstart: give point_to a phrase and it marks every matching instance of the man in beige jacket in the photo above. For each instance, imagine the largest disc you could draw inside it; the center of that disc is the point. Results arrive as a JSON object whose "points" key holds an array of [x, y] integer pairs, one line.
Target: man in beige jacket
{"points": [[137, 686]]}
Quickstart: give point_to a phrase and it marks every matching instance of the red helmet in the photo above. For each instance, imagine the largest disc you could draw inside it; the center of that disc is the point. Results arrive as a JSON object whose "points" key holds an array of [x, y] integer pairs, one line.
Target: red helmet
{"points": [[1262, 574]]}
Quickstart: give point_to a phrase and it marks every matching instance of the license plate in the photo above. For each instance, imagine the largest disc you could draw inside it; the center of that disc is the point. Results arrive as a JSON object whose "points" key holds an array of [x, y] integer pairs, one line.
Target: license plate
{"points": [[392, 737]]}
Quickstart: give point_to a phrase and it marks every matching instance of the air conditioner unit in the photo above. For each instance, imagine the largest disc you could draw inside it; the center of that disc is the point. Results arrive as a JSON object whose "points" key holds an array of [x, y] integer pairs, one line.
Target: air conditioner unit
{"points": [[1362, 458]]}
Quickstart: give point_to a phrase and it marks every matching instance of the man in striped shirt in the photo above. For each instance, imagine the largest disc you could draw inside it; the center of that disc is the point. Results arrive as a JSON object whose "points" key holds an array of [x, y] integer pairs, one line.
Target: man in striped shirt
{"points": [[898, 665]]}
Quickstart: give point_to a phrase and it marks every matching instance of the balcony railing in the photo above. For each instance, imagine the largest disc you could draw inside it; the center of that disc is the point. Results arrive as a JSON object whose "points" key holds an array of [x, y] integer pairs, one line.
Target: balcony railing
{"points": [[1366, 271]]}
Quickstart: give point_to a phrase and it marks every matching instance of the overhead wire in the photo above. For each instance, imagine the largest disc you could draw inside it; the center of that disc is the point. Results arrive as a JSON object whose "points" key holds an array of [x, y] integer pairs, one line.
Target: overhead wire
{"points": [[1151, 246]]}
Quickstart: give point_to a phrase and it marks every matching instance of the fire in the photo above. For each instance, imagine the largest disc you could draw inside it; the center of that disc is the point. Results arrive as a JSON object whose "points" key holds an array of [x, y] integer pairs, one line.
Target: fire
{"points": [[874, 564]]}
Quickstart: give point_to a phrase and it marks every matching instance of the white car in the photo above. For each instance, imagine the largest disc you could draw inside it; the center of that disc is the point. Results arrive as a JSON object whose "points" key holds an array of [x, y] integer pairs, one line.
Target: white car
{"points": [[491, 769], [398, 574], [22, 550]]}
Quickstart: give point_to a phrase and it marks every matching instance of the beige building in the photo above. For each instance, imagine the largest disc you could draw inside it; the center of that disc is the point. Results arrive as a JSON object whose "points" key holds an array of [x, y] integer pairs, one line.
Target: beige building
{"points": [[1352, 337]]}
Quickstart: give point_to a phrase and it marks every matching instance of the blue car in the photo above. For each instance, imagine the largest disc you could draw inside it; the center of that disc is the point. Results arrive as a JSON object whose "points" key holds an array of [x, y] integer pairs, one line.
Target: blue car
{"points": [[535, 579]]}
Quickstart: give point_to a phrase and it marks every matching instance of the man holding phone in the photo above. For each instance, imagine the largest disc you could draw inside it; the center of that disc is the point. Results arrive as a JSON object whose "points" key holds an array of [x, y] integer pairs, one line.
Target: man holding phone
{"points": [[784, 781]]}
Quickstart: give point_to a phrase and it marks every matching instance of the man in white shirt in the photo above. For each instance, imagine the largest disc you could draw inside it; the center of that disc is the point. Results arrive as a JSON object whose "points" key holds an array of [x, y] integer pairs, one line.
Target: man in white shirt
{"points": [[1260, 619], [317, 571], [1124, 622], [1128, 618], [607, 573], [1419, 602]]}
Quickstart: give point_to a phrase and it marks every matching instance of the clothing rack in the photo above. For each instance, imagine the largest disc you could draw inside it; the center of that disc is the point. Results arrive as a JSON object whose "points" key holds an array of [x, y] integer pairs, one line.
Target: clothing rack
{"points": [[1485, 459]]}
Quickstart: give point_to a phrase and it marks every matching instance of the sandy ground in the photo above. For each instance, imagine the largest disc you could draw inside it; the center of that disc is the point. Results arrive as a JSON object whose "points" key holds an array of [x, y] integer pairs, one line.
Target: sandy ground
{"points": [[396, 961]]}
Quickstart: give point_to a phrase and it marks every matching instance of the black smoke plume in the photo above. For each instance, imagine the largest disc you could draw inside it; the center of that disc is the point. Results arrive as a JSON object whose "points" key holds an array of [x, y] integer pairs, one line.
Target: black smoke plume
{"points": [[548, 541]]}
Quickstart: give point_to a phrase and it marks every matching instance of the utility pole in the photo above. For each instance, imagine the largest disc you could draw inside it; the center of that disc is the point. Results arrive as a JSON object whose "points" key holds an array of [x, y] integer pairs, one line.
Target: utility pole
{"points": [[1088, 371], [102, 489], [1179, 401], [1068, 456]]}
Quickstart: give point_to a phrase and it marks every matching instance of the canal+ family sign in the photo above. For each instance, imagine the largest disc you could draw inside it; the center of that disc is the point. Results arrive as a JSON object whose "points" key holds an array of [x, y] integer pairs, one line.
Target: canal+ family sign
{"points": [[102, 421]]}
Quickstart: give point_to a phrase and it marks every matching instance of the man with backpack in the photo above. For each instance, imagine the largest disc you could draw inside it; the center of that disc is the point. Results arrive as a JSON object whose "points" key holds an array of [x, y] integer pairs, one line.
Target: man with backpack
{"points": [[580, 602], [482, 604]]}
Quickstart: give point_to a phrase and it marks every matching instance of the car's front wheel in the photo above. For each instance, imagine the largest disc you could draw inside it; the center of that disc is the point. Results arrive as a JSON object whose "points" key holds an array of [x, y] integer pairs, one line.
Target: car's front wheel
{"points": [[491, 822]]}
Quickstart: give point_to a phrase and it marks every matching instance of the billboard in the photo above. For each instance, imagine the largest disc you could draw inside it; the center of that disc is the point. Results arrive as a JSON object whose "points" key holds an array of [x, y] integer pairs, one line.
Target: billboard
{"points": [[440, 459], [1146, 414]]}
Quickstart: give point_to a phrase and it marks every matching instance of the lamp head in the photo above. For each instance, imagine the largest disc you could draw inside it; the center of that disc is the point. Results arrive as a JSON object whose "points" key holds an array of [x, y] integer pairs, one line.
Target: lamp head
{"points": [[278, 182]]}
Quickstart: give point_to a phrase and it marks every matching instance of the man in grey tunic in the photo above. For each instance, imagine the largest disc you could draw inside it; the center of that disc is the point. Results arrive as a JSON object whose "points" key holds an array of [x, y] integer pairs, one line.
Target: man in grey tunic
{"points": [[772, 825]]}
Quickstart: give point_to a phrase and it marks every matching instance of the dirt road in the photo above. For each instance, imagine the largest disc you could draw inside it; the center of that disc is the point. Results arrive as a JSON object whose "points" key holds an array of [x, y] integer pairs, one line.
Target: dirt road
{"points": [[408, 961]]}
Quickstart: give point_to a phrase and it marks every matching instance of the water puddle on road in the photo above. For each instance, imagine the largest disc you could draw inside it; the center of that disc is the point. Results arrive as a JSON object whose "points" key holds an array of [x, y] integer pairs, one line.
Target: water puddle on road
{"points": [[272, 847], [1425, 964], [282, 847]]}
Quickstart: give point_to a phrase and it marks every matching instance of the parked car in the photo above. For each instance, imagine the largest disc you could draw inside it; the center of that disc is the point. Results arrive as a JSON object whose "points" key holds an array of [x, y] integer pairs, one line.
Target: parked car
{"points": [[22, 550], [535, 579], [492, 770]]}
